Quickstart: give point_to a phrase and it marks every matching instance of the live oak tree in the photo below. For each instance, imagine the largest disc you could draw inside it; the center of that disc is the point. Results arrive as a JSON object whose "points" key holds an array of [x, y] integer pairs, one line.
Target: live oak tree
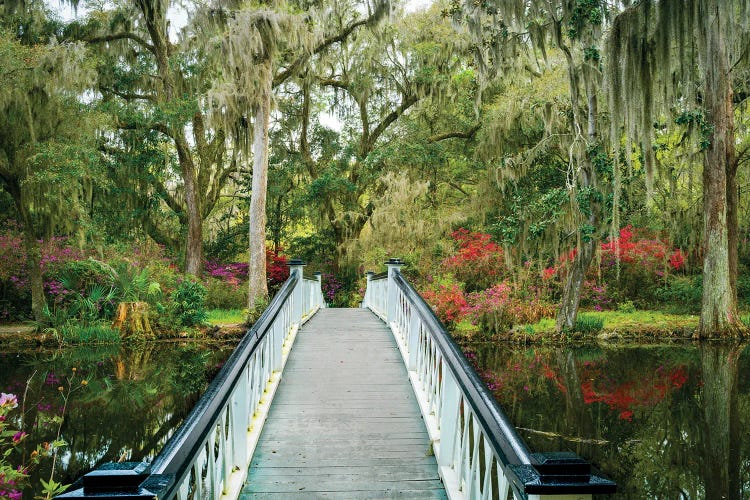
{"points": [[670, 57], [512, 38], [151, 83], [262, 47], [47, 158], [372, 80]]}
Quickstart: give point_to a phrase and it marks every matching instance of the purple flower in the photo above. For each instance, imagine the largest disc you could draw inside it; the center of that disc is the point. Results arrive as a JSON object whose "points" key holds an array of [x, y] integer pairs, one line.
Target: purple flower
{"points": [[18, 436], [8, 400]]}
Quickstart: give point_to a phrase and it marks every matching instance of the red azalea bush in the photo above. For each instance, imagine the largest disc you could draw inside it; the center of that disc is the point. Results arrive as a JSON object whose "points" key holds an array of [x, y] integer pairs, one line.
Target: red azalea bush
{"points": [[645, 263], [478, 262], [277, 270], [498, 308], [447, 300]]}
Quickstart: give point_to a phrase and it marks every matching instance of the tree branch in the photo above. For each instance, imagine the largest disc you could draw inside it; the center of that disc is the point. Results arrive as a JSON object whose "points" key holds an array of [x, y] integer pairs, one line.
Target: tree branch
{"points": [[128, 96], [126, 35], [407, 102], [450, 135], [327, 42]]}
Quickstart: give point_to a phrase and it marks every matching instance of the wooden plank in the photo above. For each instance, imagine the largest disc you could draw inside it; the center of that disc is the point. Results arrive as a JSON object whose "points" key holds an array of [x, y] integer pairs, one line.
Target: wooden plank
{"points": [[345, 422], [331, 483], [352, 495]]}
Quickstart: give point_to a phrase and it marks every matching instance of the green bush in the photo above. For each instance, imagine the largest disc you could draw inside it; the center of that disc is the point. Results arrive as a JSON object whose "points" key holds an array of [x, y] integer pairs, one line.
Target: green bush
{"points": [[188, 303], [626, 307], [682, 293], [222, 295], [587, 323]]}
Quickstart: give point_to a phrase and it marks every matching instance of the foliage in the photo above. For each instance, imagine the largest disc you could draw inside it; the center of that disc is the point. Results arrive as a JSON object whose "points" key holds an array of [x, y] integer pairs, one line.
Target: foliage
{"points": [[681, 293], [188, 303], [14, 435], [447, 299], [220, 295], [478, 261], [586, 323], [498, 308], [74, 333], [634, 266], [333, 291]]}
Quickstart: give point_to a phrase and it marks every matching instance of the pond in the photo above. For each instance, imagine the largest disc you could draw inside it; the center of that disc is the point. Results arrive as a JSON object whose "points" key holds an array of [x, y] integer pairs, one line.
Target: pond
{"points": [[662, 421], [123, 403]]}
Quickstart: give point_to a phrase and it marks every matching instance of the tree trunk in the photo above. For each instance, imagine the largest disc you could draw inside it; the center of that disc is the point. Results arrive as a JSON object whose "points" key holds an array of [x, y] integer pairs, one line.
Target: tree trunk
{"points": [[566, 317], [257, 283], [33, 252], [194, 243], [132, 321], [719, 316]]}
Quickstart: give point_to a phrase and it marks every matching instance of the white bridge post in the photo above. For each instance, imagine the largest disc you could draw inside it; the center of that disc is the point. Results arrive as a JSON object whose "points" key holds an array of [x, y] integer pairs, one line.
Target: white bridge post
{"points": [[296, 266], [393, 265]]}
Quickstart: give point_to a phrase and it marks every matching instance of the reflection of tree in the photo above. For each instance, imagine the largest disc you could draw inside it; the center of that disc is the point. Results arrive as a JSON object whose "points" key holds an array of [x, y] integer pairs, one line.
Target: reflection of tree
{"points": [[720, 444], [577, 414], [134, 398], [653, 423], [133, 363]]}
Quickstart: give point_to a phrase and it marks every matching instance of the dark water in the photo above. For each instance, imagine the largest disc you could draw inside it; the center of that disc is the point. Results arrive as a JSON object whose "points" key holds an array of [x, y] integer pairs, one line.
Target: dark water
{"points": [[122, 403], [662, 421]]}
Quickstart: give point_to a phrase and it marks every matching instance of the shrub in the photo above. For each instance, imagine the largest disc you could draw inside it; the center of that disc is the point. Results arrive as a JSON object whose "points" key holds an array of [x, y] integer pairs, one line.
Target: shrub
{"points": [[478, 262], [497, 309], [220, 295], [682, 293], [333, 291], [645, 265], [626, 307], [447, 300], [188, 303]]}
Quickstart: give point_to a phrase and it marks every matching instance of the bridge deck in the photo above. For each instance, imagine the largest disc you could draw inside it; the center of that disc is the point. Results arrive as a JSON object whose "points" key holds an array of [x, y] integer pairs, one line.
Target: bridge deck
{"points": [[344, 422]]}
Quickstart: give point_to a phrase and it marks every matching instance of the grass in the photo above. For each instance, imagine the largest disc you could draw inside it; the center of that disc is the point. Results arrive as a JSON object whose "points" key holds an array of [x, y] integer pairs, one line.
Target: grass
{"points": [[92, 334], [635, 321], [226, 316]]}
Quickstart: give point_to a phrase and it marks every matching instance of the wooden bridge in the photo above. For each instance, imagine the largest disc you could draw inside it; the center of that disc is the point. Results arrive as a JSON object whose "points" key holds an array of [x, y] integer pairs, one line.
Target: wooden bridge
{"points": [[376, 402]]}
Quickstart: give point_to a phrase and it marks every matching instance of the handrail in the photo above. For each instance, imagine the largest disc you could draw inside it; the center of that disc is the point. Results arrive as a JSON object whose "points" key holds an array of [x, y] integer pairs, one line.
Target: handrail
{"points": [[209, 455], [500, 431], [479, 452], [174, 458]]}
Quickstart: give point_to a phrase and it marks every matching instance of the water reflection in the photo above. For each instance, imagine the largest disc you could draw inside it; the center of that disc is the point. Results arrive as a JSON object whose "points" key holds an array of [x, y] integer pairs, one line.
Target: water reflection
{"points": [[662, 421], [124, 403]]}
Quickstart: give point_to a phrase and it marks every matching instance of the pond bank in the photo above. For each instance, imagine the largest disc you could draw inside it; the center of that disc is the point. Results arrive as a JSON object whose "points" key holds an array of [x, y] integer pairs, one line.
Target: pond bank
{"points": [[25, 336], [616, 326]]}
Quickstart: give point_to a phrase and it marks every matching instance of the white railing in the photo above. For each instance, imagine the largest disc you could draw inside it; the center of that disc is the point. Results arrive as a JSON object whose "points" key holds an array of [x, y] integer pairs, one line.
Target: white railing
{"points": [[208, 456], [376, 294], [312, 295], [479, 453]]}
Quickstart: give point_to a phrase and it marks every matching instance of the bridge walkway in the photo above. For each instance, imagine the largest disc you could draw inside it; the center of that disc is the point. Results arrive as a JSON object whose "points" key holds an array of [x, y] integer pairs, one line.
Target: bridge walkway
{"points": [[344, 422]]}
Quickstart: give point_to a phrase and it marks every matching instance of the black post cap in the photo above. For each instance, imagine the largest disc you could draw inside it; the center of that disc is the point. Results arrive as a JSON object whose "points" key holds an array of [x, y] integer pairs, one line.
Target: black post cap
{"points": [[295, 262], [317, 273], [124, 476], [394, 260]]}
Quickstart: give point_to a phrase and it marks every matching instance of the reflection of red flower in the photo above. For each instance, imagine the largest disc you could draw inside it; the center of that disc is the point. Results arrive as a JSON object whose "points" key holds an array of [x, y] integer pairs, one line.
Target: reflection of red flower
{"points": [[629, 395]]}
